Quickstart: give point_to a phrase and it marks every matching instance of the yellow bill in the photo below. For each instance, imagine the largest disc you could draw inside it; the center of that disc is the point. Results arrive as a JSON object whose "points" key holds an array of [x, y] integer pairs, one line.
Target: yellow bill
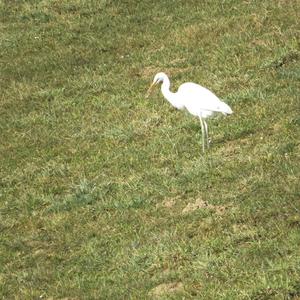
{"points": [[150, 89]]}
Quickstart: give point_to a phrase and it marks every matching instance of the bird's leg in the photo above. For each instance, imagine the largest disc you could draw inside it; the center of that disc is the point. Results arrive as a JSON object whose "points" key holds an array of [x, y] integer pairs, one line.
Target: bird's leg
{"points": [[206, 132], [203, 133]]}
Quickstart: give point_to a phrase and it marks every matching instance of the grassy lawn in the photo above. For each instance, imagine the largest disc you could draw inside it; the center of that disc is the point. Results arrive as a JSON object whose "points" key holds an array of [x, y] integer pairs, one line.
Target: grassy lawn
{"points": [[105, 194]]}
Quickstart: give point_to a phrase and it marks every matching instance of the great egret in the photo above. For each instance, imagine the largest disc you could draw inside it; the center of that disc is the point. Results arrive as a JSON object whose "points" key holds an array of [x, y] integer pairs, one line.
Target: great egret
{"points": [[198, 101]]}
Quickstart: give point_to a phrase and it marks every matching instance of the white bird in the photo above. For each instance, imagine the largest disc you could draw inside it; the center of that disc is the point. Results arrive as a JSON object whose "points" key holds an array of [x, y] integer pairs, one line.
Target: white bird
{"points": [[196, 99]]}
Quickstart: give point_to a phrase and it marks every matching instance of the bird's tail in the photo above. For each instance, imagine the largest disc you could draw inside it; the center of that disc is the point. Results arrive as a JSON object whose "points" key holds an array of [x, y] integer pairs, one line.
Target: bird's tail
{"points": [[225, 109]]}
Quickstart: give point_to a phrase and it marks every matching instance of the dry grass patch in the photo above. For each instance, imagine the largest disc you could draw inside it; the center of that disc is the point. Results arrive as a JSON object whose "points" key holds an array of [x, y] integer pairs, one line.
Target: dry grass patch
{"points": [[201, 204], [168, 202], [166, 288]]}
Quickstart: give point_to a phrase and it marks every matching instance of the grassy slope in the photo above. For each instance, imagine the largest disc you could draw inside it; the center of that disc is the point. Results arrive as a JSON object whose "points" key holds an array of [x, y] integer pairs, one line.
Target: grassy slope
{"points": [[96, 181]]}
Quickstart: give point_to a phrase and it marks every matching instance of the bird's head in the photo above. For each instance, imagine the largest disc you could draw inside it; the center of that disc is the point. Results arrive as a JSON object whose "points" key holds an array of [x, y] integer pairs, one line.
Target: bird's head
{"points": [[158, 78]]}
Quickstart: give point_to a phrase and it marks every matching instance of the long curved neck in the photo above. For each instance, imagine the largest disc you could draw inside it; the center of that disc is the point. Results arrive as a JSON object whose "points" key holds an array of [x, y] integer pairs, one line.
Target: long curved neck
{"points": [[165, 89], [170, 96]]}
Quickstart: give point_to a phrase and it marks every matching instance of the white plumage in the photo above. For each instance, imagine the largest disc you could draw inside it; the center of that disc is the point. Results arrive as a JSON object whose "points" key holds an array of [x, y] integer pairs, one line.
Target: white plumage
{"points": [[196, 99]]}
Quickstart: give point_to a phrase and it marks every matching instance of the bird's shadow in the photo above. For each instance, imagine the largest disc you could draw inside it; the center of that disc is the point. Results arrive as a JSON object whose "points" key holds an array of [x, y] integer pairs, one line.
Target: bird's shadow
{"points": [[218, 134]]}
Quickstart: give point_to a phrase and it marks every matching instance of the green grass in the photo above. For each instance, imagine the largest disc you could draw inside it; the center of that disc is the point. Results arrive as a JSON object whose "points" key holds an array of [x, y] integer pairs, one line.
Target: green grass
{"points": [[100, 187]]}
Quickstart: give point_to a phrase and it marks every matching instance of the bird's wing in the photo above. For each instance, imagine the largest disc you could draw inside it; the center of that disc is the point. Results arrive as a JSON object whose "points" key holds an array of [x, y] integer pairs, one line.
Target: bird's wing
{"points": [[200, 98]]}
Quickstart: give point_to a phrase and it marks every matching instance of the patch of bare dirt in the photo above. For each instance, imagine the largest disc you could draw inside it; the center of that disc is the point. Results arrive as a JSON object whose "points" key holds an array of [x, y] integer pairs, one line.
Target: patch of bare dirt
{"points": [[168, 203], [201, 204], [166, 288]]}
